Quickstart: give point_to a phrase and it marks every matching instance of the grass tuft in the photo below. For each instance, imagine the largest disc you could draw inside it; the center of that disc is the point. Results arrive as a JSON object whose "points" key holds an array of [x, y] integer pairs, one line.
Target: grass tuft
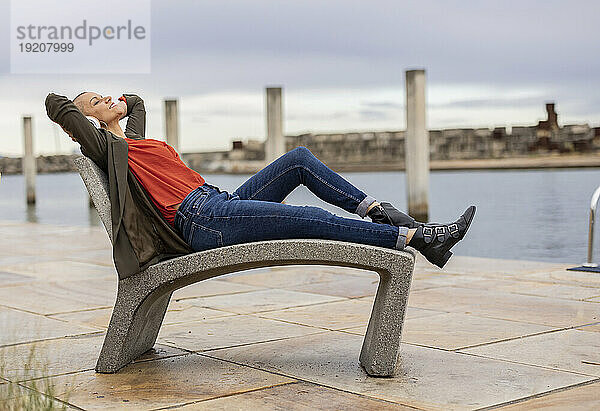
{"points": [[23, 388]]}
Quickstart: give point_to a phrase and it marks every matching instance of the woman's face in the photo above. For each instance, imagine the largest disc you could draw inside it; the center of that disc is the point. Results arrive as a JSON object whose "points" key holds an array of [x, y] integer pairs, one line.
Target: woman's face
{"points": [[103, 108]]}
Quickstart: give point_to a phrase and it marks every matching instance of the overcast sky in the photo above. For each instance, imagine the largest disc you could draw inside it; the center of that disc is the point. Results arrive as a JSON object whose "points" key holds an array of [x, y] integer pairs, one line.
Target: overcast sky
{"points": [[341, 62]]}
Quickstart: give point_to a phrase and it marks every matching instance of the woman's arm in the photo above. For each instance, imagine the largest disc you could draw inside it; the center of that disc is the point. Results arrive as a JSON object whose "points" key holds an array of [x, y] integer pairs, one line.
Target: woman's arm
{"points": [[93, 141], [136, 123]]}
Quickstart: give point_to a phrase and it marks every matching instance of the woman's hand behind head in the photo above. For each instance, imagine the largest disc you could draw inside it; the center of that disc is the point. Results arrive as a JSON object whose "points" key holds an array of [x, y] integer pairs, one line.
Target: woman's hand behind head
{"points": [[122, 105]]}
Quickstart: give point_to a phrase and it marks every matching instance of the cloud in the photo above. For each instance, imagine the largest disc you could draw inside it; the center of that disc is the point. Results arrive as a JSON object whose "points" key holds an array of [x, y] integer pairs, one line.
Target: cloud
{"points": [[510, 41], [383, 105], [500, 102], [373, 115]]}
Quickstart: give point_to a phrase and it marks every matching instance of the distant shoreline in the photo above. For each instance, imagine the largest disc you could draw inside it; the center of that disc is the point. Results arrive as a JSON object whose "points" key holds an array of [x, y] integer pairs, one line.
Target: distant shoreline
{"points": [[514, 163], [251, 167], [579, 161]]}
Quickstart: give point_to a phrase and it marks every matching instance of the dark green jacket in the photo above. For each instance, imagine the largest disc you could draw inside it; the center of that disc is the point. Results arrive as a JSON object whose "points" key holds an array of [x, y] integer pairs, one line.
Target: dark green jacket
{"points": [[141, 235]]}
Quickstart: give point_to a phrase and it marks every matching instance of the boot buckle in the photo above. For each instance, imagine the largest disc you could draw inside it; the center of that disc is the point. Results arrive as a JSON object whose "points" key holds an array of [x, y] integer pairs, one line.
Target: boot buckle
{"points": [[440, 231], [453, 228], [427, 234]]}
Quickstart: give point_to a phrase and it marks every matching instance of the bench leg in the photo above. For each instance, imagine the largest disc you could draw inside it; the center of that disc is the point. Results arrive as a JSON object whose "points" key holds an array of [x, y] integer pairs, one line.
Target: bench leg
{"points": [[381, 345], [132, 331]]}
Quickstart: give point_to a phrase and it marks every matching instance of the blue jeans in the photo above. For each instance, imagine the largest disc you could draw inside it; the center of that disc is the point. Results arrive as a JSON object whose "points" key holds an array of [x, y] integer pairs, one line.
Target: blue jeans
{"points": [[209, 217]]}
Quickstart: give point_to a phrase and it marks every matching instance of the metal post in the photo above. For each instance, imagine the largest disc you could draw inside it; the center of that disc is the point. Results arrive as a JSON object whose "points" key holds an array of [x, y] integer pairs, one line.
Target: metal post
{"points": [[28, 162], [593, 205], [417, 146], [171, 124], [275, 143]]}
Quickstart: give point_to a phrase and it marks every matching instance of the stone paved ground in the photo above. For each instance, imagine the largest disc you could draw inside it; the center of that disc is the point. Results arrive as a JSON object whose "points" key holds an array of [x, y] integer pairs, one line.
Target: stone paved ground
{"points": [[481, 333]]}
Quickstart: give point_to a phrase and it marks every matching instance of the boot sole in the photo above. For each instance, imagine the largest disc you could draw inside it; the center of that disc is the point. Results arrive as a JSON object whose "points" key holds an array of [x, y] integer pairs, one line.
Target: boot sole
{"points": [[442, 261]]}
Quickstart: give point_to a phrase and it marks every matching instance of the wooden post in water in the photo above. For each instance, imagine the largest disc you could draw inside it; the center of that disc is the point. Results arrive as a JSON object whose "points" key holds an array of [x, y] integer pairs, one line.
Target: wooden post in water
{"points": [[171, 124], [275, 142], [416, 146], [28, 162]]}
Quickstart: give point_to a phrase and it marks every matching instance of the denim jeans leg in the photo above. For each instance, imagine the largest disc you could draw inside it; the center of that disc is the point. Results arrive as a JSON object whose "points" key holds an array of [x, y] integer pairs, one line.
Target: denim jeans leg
{"points": [[221, 220], [299, 166]]}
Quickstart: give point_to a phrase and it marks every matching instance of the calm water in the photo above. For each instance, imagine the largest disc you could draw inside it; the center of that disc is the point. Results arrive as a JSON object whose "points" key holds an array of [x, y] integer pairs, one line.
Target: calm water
{"points": [[530, 215]]}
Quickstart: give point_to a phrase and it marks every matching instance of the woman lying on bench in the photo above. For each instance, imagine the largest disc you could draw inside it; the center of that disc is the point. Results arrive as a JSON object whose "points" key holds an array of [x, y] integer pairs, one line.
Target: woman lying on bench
{"points": [[206, 217]]}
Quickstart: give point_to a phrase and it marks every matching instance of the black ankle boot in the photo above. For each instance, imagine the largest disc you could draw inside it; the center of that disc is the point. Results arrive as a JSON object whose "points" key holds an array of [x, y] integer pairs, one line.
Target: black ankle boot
{"points": [[434, 241], [385, 213]]}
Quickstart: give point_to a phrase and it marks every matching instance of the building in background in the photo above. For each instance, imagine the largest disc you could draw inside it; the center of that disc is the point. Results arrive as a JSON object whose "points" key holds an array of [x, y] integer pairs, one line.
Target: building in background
{"points": [[384, 150]]}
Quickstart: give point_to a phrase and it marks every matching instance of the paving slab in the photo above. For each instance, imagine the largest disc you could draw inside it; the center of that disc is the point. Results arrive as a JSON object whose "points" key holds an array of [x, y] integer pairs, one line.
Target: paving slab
{"points": [[61, 243], [63, 355], [98, 291], [581, 278], [336, 315], [35, 402], [262, 300], [539, 288], [211, 287], [162, 383], [357, 286], [452, 331], [350, 271], [229, 331], [20, 327], [286, 276], [493, 267], [591, 327], [345, 286], [29, 231], [570, 350], [295, 396], [61, 270], [583, 398], [15, 397], [54, 297], [417, 285], [177, 312], [501, 305], [245, 272], [101, 257], [22, 227], [180, 312], [444, 280], [11, 279], [98, 318], [16, 257], [426, 378]]}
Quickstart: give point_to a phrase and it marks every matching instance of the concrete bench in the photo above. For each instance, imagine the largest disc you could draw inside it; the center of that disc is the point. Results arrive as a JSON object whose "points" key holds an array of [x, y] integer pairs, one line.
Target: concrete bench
{"points": [[142, 299]]}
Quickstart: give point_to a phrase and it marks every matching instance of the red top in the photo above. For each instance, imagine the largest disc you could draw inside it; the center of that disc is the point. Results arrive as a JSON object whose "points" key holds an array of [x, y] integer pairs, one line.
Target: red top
{"points": [[162, 173]]}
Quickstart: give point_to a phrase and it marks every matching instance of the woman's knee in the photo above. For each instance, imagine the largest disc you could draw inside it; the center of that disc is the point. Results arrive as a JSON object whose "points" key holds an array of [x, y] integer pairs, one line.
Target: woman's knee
{"points": [[301, 154]]}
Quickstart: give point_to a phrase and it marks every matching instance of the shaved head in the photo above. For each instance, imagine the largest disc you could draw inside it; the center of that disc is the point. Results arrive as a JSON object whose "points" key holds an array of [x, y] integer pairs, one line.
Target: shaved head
{"points": [[80, 100]]}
